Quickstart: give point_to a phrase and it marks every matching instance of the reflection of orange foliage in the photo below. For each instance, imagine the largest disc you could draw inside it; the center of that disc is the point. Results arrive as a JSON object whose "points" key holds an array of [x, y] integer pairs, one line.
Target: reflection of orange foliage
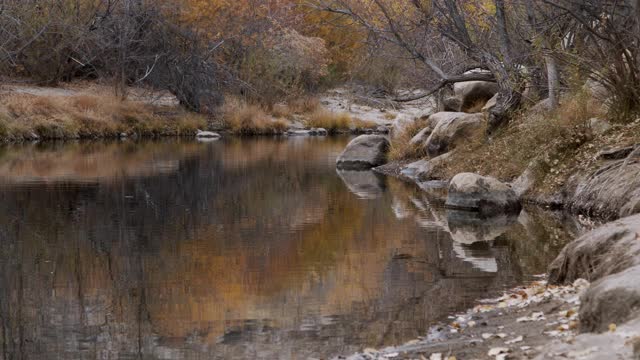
{"points": [[93, 161], [342, 256]]}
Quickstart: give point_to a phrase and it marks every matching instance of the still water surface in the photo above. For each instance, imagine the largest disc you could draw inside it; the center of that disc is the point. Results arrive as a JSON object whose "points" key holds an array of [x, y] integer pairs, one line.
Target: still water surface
{"points": [[236, 249]]}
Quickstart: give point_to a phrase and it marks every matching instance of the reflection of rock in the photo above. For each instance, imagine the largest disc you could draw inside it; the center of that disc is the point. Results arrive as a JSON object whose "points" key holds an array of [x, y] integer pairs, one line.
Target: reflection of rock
{"points": [[207, 135], [364, 184], [486, 195], [364, 152], [482, 263], [469, 227]]}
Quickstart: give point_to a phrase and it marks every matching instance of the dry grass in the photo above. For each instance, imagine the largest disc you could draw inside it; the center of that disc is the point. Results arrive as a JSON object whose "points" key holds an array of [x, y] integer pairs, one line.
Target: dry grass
{"points": [[333, 122], [248, 119], [25, 116], [402, 149], [550, 138], [304, 105]]}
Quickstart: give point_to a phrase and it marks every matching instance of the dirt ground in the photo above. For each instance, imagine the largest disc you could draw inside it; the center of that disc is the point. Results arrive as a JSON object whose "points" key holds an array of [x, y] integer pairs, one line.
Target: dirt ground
{"points": [[519, 325]]}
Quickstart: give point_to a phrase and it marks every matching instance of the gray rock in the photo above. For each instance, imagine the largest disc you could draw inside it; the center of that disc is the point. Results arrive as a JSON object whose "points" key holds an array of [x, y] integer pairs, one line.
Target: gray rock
{"points": [[364, 152], [486, 195], [526, 180], [490, 104], [207, 134], [614, 299], [589, 346], [422, 170], [474, 94], [618, 153], [307, 132], [599, 126], [452, 103], [364, 184], [452, 129], [612, 191], [606, 250]]}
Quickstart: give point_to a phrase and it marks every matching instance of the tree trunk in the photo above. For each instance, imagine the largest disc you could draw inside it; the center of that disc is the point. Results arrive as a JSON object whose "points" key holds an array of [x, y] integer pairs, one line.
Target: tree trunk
{"points": [[553, 81]]}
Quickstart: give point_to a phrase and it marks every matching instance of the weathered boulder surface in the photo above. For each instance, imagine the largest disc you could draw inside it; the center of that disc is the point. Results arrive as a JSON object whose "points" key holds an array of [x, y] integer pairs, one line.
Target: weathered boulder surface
{"points": [[452, 129], [364, 152], [612, 191], [606, 250], [474, 94], [614, 299], [452, 103], [423, 135], [422, 170], [485, 195]]}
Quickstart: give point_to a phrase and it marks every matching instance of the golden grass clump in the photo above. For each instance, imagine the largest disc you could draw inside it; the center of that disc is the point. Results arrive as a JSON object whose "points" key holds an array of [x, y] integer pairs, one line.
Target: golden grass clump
{"points": [[331, 121], [249, 119], [25, 116], [401, 148]]}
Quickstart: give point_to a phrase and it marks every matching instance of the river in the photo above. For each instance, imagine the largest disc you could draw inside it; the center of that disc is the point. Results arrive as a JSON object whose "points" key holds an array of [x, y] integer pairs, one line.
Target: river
{"points": [[236, 249]]}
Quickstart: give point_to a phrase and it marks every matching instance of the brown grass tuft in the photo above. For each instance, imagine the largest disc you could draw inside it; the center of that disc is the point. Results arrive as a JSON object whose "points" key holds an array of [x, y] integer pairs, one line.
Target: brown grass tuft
{"points": [[331, 121], [248, 119], [88, 115], [401, 149]]}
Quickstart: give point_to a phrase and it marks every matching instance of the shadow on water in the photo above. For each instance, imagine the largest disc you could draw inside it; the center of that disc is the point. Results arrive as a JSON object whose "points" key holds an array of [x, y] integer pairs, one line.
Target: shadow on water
{"points": [[236, 249]]}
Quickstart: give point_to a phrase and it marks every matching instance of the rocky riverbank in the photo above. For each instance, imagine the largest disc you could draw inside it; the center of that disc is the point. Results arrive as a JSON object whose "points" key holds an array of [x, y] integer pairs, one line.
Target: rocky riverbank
{"points": [[590, 307]]}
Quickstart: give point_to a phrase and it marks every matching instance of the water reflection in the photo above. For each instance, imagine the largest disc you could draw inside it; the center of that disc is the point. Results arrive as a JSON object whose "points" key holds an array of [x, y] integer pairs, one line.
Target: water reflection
{"points": [[238, 249]]}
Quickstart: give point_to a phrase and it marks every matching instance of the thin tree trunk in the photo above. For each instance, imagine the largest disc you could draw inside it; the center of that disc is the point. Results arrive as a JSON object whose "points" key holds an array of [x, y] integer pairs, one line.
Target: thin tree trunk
{"points": [[553, 80]]}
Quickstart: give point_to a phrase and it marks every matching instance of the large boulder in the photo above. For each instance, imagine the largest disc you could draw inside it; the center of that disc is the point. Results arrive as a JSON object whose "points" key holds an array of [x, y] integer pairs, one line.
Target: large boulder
{"points": [[486, 195], [451, 129], [614, 299], [606, 250], [611, 191], [364, 152], [474, 94]]}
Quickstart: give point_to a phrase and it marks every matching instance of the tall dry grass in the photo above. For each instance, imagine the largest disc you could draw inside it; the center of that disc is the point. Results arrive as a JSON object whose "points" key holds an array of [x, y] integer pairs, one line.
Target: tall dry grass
{"points": [[24, 116], [250, 119], [401, 147]]}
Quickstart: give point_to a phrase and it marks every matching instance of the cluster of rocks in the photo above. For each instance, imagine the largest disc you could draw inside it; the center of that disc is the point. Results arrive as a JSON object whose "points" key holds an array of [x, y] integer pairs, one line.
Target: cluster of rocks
{"points": [[444, 131]]}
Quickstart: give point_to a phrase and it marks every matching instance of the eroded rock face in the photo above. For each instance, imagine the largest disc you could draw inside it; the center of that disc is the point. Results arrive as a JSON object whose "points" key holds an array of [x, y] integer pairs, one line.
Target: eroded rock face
{"points": [[474, 94], [612, 191], [473, 192], [614, 299], [452, 129], [606, 250], [364, 152]]}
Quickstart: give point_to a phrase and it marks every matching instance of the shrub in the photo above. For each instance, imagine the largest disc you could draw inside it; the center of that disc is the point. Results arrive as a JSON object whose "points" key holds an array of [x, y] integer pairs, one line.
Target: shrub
{"points": [[331, 121]]}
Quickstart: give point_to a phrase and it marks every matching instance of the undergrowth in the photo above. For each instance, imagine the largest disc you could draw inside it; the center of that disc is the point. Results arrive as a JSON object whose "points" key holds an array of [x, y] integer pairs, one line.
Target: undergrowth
{"points": [[24, 116]]}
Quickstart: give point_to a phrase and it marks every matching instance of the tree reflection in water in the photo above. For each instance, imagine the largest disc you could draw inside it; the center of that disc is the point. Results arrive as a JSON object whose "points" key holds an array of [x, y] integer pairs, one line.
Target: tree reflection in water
{"points": [[235, 249]]}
